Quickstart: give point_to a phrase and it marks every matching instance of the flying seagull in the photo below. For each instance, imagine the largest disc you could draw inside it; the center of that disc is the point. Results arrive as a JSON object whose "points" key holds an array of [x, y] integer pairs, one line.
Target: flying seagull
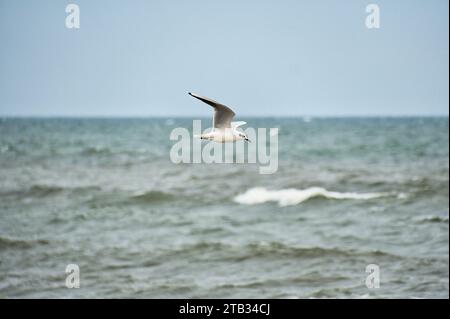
{"points": [[223, 129]]}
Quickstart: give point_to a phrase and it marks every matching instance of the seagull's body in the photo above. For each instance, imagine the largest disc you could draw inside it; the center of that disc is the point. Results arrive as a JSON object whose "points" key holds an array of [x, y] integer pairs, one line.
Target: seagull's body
{"points": [[224, 130]]}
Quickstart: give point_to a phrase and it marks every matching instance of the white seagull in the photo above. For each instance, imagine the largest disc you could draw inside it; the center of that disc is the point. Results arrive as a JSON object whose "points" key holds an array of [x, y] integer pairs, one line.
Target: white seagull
{"points": [[223, 129]]}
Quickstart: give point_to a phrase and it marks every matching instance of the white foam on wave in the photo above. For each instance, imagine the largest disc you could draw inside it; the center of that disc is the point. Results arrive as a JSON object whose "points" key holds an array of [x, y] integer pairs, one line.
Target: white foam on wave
{"points": [[292, 196]]}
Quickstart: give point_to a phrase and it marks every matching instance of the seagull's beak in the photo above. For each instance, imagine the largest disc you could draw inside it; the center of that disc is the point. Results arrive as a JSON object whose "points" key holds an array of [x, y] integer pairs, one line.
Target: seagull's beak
{"points": [[248, 140]]}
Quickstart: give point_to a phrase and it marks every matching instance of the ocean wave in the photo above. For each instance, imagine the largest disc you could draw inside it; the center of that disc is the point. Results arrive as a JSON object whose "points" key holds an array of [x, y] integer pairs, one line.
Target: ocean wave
{"points": [[152, 196], [310, 278], [44, 189], [96, 150], [41, 190], [6, 242], [432, 219], [292, 196], [267, 249]]}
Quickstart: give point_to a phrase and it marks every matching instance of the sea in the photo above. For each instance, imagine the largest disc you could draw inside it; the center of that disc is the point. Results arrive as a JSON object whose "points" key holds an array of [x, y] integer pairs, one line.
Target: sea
{"points": [[358, 208]]}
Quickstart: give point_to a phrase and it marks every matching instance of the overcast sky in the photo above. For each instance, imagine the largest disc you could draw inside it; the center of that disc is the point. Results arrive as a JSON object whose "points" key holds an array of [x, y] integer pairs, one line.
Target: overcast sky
{"points": [[262, 58]]}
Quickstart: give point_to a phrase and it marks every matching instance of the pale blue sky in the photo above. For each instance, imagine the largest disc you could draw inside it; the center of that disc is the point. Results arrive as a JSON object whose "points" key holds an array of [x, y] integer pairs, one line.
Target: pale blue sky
{"points": [[283, 58]]}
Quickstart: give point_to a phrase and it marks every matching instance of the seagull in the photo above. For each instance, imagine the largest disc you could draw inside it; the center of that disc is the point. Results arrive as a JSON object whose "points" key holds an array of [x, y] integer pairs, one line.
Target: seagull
{"points": [[223, 129]]}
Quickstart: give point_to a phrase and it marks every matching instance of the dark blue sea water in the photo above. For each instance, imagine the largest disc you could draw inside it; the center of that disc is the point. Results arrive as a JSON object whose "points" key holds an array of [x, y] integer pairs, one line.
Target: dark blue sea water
{"points": [[103, 194]]}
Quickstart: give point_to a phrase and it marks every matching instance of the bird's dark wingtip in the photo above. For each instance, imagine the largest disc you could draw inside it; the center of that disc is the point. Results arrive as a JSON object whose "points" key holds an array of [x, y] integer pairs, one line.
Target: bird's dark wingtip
{"points": [[190, 93]]}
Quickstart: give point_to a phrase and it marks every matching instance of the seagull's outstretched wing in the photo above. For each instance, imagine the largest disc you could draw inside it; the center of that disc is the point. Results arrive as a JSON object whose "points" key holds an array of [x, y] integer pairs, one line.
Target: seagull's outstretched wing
{"points": [[222, 113]]}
